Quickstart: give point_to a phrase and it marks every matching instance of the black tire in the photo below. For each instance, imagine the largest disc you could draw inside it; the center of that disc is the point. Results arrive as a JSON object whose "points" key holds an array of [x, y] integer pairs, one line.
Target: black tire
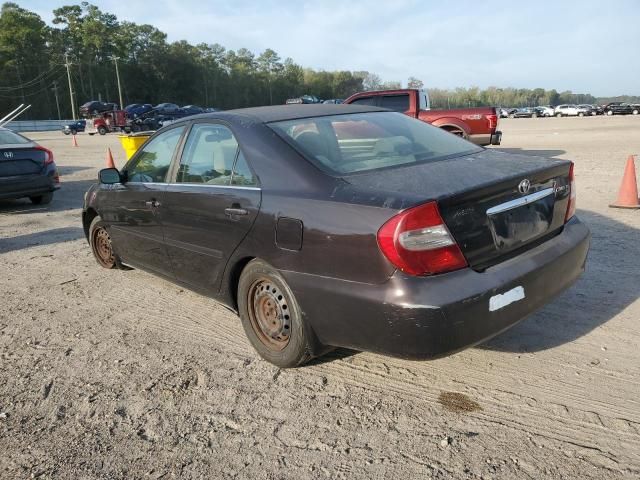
{"points": [[635, 111], [102, 130], [135, 128], [66, 132], [280, 335], [534, 115], [511, 115], [559, 115], [42, 199], [610, 112], [581, 114], [100, 243]]}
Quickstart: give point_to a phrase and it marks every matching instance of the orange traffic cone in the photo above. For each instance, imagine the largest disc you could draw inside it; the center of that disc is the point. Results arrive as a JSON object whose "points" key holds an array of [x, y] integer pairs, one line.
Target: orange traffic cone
{"points": [[628, 196], [110, 162], [74, 142]]}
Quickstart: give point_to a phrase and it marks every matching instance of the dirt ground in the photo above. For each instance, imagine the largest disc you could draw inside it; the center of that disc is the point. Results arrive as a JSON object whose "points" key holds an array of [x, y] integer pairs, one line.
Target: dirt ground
{"points": [[118, 374]]}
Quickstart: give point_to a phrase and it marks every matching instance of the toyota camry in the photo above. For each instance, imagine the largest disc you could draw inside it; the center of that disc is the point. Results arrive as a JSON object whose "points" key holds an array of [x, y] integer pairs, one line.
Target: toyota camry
{"points": [[342, 226]]}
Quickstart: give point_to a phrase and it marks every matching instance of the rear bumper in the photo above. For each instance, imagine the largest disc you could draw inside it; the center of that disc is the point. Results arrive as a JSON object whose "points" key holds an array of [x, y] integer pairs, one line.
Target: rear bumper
{"points": [[486, 138], [27, 186], [429, 317]]}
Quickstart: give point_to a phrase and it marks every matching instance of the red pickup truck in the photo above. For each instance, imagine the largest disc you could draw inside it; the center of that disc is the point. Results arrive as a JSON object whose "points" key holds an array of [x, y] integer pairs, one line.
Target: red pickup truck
{"points": [[478, 125]]}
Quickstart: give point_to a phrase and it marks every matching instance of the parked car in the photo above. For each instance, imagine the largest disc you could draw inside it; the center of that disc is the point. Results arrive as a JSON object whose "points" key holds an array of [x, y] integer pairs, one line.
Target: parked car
{"points": [[617, 108], [336, 225], [167, 109], [137, 109], [333, 101], [567, 111], [478, 125], [192, 109], [95, 107], [26, 169], [505, 112], [74, 127], [523, 113], [545, 111]]}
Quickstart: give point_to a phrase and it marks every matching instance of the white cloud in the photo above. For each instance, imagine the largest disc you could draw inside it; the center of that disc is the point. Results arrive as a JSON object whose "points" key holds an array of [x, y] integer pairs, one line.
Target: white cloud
{"points": [[584, 46]]}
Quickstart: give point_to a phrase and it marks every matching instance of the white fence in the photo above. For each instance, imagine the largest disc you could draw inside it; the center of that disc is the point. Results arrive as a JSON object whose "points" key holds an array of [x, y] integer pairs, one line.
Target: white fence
{"points": [[37, 125]]}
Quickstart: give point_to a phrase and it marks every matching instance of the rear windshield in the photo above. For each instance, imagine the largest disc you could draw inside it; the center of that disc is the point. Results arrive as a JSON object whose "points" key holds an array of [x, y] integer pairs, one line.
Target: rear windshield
{"points": [[344, 144], [12, 138]]}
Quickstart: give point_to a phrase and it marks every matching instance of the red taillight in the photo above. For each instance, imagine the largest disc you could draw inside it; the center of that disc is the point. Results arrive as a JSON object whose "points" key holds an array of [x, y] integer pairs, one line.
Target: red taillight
{"points": [[48, 154], [418, 242], [571, 206], [493, 121]]}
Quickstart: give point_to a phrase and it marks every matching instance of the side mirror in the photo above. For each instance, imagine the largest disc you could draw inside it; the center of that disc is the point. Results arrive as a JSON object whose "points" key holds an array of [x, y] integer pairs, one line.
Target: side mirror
{"points": [[109, 176]]}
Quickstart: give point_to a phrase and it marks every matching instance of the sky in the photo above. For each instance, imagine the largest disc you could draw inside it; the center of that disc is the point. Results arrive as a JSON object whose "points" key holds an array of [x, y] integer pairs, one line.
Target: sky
{"points": [[584, 46]]}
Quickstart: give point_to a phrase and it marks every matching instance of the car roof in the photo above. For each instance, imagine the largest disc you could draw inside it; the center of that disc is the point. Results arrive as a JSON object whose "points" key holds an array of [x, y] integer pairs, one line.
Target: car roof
{"points": [[278, 113]]}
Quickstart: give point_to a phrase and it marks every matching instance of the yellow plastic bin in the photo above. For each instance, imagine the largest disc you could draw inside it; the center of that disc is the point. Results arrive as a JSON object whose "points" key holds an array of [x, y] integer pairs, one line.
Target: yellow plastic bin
{"points": [[131, 143]]}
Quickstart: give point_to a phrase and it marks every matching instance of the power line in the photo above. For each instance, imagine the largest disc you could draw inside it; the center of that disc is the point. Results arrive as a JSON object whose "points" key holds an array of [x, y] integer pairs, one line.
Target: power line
{"points": [[31, 82]]}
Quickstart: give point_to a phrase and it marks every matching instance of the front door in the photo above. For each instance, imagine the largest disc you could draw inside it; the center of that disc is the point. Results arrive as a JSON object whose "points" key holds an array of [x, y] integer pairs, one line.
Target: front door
{"points": [[132, 208], [209, 207]]}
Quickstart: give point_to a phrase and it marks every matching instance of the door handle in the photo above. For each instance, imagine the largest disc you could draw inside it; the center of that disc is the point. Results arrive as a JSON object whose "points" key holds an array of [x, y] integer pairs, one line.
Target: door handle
{"points": [[235, 211], [152, 203]]}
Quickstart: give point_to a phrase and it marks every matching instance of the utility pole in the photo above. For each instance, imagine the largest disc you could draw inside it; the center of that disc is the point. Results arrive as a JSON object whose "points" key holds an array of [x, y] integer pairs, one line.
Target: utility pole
{"points": [[115, 60], [73, 104], [55, 92]]}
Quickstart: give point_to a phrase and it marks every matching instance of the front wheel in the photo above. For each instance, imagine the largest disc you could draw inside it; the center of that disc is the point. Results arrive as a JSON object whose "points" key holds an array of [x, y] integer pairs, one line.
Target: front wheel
{"points": [[101, 246], [581, 114], [271, 317], [636, 111], [535, 115], [42, 199], [559, 115], [610, 112], [102, 130]]}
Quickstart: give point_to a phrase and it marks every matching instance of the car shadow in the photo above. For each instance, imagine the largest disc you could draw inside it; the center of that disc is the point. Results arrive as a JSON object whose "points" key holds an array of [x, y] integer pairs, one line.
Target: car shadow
{"points": [[608, 286], [70, 196], [537, 153], [45, 237]]}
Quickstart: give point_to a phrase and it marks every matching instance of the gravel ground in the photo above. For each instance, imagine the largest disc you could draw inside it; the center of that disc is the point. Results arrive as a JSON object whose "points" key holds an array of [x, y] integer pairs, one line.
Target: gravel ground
{"points": [[119, 374]]}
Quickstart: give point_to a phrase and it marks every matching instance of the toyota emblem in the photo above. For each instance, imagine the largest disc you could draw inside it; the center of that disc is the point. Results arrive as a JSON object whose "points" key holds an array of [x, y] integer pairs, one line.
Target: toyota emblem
{"points": [[524, 186]]}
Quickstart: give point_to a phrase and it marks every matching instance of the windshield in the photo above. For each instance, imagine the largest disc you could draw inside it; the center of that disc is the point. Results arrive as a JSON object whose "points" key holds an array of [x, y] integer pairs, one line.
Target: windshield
{"points": [[344, 144], [11, 138]]}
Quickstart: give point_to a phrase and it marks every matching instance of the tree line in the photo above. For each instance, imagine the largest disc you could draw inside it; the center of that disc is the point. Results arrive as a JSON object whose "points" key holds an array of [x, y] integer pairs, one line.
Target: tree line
{"points": [[33, 56]]}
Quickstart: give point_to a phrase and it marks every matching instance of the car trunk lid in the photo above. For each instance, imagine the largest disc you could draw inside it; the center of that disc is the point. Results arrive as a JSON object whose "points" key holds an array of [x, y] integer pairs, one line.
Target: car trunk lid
{"points": [[483, 200], [20, 159]]}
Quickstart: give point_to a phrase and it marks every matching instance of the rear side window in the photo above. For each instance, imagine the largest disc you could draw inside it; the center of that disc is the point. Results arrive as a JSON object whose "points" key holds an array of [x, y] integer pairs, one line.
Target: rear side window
{"points": [[397, 103], [153, 161], [212, 156], [9, 137], [345, 144], [208, 156]]}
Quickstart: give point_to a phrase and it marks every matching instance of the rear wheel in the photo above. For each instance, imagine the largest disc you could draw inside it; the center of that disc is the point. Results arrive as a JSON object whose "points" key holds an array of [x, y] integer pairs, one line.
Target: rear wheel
{"points": [[635, 111], [581, 114], [610, 112], [271, 317], [102, 130], [559, 115], [535, 115], [41, 199], [101, 246]]}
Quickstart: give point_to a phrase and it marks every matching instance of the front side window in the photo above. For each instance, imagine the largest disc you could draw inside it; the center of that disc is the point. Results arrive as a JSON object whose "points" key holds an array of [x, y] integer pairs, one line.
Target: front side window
{"points": [[345, 144], [364, 101], [212, 156], [152, 163]]}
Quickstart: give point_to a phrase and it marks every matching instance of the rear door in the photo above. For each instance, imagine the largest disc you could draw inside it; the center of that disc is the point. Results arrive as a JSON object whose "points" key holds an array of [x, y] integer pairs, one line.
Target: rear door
{"points": [[132, 209], [209, 206]]}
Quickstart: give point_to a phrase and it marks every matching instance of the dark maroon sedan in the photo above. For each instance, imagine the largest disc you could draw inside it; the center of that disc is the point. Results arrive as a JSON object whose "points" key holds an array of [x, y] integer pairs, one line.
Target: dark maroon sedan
{"points": [[343, 225]]}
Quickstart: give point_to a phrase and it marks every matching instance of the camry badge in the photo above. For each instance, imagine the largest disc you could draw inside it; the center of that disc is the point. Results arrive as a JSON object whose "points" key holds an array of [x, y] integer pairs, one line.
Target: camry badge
{"points": [[524, 186]]}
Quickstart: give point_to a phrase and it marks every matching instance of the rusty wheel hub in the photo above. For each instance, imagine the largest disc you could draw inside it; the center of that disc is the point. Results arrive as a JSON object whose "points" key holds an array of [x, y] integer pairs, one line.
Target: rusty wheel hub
{"points": [[102, 247], [269, 314]]}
